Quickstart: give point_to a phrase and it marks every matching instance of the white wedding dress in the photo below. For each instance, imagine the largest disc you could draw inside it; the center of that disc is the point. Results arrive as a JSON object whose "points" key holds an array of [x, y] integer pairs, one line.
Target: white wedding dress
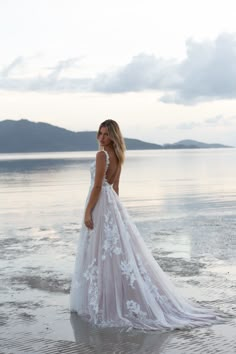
{"points": [[118, 283]]}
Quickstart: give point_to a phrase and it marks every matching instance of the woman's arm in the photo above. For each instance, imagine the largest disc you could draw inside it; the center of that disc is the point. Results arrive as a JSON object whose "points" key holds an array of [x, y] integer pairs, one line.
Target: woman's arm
{"points": [[116, 181], [99, 175]]}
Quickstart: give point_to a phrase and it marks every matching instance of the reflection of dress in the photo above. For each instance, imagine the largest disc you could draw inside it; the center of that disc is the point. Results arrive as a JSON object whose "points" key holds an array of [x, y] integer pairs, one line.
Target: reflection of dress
{"points": [[117, 282], [114, 340]]}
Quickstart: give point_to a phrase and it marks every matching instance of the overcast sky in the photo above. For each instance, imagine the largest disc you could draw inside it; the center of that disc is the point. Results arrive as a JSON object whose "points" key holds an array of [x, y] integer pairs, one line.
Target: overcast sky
{"points": [[165, 70]]}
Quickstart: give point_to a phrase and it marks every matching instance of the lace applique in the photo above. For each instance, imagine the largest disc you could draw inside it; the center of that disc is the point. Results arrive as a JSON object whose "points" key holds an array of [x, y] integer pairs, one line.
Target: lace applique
{"points": [[134, 310], [92, 170], [151, 287], [91, 274], [109, 197], [128, 271], [111, 238]]}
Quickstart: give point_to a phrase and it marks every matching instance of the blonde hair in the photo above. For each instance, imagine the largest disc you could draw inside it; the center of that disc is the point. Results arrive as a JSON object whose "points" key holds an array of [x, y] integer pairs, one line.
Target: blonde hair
{"points": [[116, 137]]}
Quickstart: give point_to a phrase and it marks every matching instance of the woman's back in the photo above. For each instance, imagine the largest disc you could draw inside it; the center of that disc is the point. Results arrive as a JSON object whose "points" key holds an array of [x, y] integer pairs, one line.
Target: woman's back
{"points": [[114, 167]]}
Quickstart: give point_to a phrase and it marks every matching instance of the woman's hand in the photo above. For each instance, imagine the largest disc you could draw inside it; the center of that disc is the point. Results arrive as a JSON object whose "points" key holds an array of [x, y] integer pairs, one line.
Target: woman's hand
{"points": [[88, 220]]}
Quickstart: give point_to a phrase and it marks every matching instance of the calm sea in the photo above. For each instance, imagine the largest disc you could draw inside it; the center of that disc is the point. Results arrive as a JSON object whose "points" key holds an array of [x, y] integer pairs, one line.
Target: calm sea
{"points": [[169, 190], [183, 202], [187, 195]]}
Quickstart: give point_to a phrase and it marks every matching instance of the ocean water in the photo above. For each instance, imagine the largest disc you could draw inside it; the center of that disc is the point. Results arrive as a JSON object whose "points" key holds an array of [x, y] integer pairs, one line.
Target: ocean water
{"points": [[182, 201]]}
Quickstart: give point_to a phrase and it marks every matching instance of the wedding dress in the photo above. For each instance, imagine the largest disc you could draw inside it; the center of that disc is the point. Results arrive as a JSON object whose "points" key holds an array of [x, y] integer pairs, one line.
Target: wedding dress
{"points": [[118, 283]]}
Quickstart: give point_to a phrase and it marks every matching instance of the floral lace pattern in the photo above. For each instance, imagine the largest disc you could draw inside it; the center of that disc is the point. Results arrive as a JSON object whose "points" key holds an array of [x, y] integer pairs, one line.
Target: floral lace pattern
{"points": [[91, 274], [151, 287], [128, 270], [134, 310], [111, 237]]}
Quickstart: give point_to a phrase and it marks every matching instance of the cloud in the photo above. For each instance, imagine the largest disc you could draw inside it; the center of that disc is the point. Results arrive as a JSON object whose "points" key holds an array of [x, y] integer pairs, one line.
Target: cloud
{"points": [[144, 72], [61, 66], [18, 62], [207, 73], [188, 125], [47, 83], [215, 121], [220, 120], [212, 122]]}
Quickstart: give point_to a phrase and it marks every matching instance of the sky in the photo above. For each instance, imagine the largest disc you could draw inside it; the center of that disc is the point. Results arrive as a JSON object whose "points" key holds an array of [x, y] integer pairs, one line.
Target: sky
{"points": [[164, 70]]}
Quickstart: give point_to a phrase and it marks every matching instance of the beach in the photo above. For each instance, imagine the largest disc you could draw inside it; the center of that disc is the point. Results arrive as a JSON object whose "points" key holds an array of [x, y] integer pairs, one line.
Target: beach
{"points": [[183, 203]]}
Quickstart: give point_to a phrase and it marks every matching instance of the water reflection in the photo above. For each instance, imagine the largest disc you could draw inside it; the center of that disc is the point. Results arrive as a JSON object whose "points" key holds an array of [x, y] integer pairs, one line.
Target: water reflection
{"points": [[118, 340], [41, 165]]}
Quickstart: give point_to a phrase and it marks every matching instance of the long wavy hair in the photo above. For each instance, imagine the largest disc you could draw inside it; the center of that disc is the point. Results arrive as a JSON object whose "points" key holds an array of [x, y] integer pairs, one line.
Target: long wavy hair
{"points": [[116, 137]]}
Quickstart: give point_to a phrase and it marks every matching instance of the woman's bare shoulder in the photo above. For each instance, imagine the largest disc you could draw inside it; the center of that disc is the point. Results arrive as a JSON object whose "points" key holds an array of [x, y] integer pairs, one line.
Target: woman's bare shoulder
{"points": [[101, 155]]}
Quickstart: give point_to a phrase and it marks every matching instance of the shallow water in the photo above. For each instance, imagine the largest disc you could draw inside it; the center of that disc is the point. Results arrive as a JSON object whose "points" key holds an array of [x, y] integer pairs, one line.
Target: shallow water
{"points": [[183, 202]]}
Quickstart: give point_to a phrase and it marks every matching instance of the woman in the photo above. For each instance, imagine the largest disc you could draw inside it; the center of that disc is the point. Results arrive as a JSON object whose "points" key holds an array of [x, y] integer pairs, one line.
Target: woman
{"points": [[117, 282]]}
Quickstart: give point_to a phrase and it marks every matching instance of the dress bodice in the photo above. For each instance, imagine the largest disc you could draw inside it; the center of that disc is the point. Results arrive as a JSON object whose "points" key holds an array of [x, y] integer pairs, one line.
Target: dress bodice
{"points": [[93, 170]]}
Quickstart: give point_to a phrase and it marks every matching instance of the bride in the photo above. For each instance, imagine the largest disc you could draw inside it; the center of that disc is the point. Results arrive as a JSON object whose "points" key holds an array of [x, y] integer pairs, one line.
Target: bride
{"points": [[116, 281]]}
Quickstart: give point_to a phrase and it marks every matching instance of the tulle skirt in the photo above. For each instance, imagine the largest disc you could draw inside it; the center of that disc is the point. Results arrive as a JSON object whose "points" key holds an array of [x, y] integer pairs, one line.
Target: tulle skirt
{"points": [[118, 283]]}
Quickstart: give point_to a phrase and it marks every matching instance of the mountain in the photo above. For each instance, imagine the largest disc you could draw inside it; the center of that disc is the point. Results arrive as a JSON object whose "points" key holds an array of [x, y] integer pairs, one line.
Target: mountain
{"points": [[26, 136], [192, 144]]}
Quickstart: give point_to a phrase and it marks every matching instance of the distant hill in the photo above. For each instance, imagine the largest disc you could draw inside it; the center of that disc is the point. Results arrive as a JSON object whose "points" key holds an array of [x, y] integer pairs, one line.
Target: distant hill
{"points": [[192, 144], [26, 136]]}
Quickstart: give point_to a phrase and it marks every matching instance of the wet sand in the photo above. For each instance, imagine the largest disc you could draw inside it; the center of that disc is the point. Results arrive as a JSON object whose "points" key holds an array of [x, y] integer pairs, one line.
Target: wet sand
{"points": [[34, 293]]}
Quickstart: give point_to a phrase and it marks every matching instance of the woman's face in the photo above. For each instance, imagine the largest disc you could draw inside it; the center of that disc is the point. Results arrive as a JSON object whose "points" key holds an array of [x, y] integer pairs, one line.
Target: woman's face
{"points": [[103, 137]]}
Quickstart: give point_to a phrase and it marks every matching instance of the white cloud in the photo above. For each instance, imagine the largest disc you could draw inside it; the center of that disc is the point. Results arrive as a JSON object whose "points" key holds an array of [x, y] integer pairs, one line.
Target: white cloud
{"points": [[52, 82], [220, 121], [62, 66], [9, 69], [217, 121], [188, 125], [144, 72], [207, 73]]}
